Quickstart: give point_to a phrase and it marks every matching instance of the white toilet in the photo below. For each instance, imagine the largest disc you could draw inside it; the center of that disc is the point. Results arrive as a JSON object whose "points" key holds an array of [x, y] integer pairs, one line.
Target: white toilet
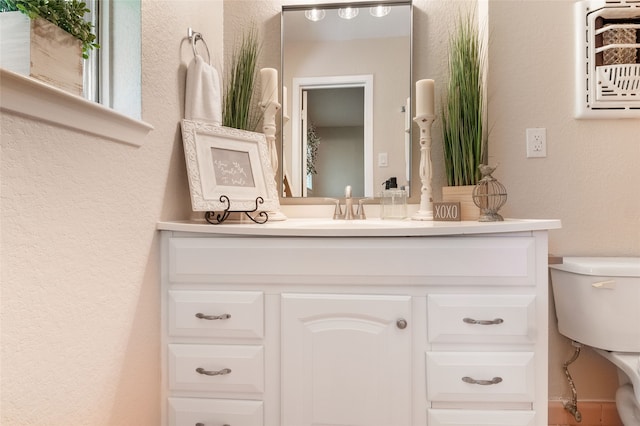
{"points": [[598, 304]]}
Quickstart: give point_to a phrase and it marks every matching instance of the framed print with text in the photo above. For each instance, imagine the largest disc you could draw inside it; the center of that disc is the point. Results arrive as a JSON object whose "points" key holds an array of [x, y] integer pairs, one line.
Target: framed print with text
{"points": [[226, 162]]}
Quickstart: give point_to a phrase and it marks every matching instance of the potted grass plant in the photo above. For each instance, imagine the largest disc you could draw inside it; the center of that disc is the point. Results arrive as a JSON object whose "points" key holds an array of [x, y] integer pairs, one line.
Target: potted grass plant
{"points": [[239, 106], [313, 144], [57, 39], [463, 116]]}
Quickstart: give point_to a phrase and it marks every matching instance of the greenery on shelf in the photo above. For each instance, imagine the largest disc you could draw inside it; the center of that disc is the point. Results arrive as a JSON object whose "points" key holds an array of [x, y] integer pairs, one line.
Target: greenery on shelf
{"points": [[66, 14], [239, 110], [313, 143], [463, 110]]}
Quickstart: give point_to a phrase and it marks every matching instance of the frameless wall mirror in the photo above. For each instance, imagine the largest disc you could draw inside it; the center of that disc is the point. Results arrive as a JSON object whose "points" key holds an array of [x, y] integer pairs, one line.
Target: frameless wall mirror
{"points": [[346, 106]]}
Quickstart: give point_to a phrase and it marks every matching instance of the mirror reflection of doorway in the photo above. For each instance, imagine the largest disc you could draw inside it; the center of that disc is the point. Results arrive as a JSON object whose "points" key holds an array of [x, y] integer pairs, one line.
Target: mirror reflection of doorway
{"points": [[340, 109], [336, 118]]}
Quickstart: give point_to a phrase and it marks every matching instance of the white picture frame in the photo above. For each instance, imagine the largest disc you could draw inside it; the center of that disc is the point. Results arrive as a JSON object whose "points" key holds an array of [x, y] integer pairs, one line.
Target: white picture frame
{"points": [[226, 162]]}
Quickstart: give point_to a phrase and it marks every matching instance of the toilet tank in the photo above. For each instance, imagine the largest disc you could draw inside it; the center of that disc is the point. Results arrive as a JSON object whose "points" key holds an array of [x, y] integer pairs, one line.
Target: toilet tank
{"points": [[597, 301]]}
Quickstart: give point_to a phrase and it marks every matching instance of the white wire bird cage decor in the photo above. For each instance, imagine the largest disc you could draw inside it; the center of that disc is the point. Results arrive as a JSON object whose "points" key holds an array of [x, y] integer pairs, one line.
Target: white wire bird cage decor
{"points": [[489, 195]]}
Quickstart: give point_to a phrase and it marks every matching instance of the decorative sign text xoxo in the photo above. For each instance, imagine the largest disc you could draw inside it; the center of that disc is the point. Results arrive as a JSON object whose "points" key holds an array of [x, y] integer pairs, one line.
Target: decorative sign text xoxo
{"points": [[446, 211]]}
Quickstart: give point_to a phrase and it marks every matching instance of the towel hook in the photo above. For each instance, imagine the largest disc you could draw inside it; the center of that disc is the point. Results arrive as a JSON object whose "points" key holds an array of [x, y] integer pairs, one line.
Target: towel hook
{"points": [[193, 38]]}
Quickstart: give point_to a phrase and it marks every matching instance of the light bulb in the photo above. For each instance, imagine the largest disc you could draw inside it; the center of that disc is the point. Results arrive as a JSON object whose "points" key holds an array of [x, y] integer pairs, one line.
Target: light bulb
{"points": [[315, 14], [348, 13], [379, 11]]}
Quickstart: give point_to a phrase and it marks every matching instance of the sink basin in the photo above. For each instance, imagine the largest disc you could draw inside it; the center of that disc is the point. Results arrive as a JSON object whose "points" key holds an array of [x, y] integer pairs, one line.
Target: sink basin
{"points": [[342, 224]]}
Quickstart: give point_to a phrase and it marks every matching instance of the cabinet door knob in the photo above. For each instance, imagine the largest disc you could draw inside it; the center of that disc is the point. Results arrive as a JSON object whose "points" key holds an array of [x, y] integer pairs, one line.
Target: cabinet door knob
{"points": [[472, 381], [222, 372], [483, 322], [401, 323], [213, 317]]}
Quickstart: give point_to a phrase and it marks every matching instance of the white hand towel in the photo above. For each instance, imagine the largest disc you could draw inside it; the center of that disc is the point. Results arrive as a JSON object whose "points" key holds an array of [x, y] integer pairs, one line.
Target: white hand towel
{"points": [[202, 100]]}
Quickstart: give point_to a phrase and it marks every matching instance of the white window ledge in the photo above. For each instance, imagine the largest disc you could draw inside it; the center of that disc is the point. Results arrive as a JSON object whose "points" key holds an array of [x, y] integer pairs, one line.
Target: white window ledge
{"points": [[30, 97]]}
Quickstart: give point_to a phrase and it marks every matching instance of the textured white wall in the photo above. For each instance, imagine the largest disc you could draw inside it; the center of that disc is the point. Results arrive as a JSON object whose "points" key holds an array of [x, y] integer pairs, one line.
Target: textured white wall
{"points": [[589, 176], [80, 285]]}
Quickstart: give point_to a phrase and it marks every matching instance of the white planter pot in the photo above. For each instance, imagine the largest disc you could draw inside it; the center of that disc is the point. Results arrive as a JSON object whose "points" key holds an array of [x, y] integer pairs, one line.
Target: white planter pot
{"points": [[41, 50]]}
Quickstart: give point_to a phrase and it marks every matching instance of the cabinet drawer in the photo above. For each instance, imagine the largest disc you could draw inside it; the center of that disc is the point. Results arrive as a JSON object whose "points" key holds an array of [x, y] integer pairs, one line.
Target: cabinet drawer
{"points": [[481, 418], [481, 376], [479, 260], [481, 318], [226, 368], [216, 313], [214, 412]]}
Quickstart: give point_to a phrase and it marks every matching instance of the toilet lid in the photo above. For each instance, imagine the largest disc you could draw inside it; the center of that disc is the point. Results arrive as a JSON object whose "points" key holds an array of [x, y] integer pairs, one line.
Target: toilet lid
{"points": [[601, 266]]}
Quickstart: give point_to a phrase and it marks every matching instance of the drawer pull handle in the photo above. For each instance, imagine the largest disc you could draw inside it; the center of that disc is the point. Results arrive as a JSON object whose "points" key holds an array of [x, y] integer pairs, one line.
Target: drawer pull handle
{"points": [[202, 424], [213, 317], [483, 322], [401, 323], [222, 372], [472, 381]]}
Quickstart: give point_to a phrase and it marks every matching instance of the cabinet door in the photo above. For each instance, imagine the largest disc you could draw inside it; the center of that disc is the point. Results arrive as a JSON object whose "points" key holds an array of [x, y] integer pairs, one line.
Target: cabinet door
{"points": [[346, 360]]}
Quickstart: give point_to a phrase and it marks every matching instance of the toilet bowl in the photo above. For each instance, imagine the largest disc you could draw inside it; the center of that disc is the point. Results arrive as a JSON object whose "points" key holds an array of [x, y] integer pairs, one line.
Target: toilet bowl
{"points": [[598, 304]]}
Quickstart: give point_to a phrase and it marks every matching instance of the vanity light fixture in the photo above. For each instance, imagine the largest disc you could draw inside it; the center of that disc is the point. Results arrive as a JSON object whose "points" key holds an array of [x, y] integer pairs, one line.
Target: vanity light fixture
{"points": [[348, 12], [379, 11], [315, 15]]}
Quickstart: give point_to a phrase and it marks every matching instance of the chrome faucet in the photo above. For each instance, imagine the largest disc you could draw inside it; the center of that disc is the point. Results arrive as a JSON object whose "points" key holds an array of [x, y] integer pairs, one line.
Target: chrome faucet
{"points": [[348, 214], [348, 204]]}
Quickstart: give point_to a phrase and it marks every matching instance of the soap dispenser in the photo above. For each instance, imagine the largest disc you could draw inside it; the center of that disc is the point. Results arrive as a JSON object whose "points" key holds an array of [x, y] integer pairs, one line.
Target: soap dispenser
{"points": [[393, 201]]}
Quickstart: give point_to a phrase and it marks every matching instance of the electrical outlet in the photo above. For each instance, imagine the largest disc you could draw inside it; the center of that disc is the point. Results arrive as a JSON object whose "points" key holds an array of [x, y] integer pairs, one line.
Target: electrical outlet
{"points": [[536, 142]]}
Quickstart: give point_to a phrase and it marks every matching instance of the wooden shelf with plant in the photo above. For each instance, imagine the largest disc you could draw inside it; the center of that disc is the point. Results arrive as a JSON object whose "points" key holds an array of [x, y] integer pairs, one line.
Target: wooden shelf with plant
{"points": [[51, 44]]}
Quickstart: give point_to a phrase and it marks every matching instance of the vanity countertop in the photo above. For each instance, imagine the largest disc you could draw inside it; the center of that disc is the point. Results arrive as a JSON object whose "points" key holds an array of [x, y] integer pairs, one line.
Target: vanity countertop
{"points": [[305, 227]]}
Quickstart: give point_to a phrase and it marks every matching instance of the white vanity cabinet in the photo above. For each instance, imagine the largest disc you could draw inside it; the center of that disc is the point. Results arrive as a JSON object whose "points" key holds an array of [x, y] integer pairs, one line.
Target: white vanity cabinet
{"points": [[445, 329]]}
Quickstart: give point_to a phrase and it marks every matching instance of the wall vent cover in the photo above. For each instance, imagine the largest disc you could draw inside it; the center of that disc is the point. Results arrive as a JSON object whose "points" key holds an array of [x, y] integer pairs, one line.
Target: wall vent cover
{"points": [[608, 59]]}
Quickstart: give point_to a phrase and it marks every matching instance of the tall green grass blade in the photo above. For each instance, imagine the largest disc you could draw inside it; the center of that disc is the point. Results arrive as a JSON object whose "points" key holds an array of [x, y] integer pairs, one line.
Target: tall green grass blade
{"points": [[463, 109], [239, 110]]}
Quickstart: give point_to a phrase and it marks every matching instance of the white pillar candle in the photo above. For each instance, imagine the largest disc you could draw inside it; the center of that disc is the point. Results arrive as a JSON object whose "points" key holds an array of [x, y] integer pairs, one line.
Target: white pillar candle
{"points": [[269, 77], [425, 97], [284, 101]]}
